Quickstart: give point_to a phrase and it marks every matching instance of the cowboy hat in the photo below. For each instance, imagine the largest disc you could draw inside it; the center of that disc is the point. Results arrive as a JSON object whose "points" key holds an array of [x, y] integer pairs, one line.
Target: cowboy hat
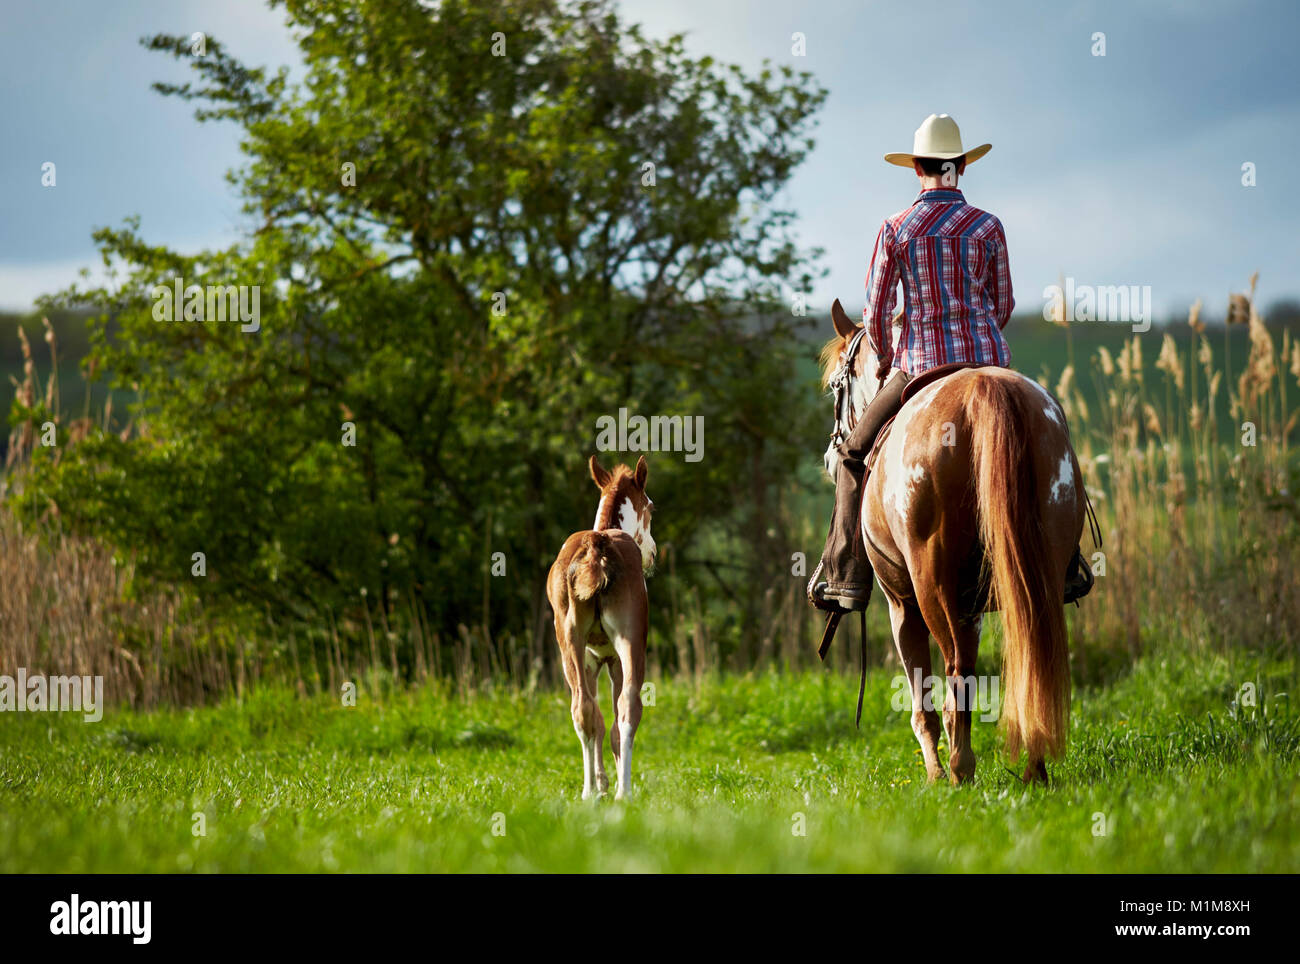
{"points": [[940, 138]]}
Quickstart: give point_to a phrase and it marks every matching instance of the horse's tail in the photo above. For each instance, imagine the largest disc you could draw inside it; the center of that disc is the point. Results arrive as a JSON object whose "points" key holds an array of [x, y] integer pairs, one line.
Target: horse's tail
{"points": [[590, 573], [1035, 655]]}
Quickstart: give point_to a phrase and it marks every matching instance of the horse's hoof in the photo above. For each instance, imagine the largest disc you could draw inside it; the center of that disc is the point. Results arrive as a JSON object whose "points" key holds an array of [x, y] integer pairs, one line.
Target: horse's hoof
{"points": [[1036, 773]]}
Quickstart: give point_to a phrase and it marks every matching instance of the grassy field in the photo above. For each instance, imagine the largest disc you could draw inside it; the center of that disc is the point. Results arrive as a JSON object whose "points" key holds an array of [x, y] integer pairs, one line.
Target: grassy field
{"points": [[726, 773]]}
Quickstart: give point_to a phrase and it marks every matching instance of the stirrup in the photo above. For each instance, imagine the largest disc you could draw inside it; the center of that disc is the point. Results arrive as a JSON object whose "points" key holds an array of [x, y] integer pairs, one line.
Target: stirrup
{"points": [[832, 602], [816, 594], [1079, 579]]}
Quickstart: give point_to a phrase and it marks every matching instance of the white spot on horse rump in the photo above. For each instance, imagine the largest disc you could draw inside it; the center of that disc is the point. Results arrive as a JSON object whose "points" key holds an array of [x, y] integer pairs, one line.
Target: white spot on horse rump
{"points": [[1063, 484], [922, 399], [900, 484], [1053, 408]]}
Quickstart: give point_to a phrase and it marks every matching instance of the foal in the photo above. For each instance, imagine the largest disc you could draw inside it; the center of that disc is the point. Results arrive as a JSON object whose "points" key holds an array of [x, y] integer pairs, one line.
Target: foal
{"points": [[597, 591]]}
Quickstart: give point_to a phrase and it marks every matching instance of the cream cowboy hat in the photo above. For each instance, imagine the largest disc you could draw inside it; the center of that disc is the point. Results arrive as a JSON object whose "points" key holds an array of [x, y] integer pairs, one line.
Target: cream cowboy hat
{"points": [[940, 138]]}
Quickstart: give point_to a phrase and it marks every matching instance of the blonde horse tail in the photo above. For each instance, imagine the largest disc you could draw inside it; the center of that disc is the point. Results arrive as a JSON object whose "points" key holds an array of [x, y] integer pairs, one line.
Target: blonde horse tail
{"points": [[1035, 653], [590, 572]]}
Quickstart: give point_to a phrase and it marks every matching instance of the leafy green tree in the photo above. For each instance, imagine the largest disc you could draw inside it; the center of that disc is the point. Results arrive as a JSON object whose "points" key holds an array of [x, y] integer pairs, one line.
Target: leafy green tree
{"points": [[480, 226]]}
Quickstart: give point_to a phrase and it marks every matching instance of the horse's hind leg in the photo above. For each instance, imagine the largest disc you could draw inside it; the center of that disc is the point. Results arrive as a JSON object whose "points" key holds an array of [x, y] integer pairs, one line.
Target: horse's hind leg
{"points": [[912, 639], [960, 699], [631, 654], [587, 721], [615, 691], [958, 637], [591, 667]]}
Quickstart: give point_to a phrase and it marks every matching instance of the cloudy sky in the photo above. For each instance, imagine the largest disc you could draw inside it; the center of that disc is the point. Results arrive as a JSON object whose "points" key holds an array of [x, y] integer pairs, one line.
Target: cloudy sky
{"points": [[1116, 169]]}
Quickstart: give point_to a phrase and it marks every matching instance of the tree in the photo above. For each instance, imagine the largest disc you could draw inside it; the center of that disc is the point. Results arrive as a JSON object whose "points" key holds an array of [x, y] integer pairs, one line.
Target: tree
{"points": [[482, 226]]}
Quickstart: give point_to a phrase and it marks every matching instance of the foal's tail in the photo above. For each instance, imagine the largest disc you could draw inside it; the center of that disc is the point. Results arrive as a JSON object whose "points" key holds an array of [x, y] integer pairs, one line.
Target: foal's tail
{"points": [[591, 571], [1035, 657]]}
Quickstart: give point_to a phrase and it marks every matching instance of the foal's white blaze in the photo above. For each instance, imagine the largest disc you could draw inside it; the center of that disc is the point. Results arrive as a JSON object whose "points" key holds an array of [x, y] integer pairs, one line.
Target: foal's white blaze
{"points": [[1063, 484], [635, 525], [632, 522]]}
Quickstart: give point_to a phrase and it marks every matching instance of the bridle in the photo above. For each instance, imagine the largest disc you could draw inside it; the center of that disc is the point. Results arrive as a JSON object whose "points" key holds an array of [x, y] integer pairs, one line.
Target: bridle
{"points": [[839, 385]]}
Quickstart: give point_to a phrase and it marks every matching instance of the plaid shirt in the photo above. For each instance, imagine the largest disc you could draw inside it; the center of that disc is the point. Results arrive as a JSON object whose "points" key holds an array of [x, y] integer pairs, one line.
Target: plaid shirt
{"points": [[952, 260]]}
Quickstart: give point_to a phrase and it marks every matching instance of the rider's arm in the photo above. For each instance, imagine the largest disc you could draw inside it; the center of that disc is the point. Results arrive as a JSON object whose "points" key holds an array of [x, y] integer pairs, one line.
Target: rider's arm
{"points": [[882, 282], [999, 280]]}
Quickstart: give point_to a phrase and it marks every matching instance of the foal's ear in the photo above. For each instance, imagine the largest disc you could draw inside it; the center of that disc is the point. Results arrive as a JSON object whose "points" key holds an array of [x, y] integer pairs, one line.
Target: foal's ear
{"points": [[642, 470], [844, 326], [598, 473]]}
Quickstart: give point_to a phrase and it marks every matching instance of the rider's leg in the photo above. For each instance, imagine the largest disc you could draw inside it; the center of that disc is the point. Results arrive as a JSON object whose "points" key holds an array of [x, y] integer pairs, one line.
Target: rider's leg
{"points": [[844, 568]]}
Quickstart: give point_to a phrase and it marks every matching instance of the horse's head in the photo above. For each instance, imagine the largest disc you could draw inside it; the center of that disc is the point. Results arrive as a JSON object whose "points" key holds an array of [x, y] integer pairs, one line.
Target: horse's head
{"points": [[625, 505], [852, 387]]}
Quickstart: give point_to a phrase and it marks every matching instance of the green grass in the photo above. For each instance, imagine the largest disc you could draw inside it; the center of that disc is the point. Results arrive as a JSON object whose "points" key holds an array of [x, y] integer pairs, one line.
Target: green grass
{"points": [[1186, 781]]}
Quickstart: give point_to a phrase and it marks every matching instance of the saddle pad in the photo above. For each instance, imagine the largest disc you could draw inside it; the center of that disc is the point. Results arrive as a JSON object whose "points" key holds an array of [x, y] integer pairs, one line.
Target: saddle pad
{"points": [[931, 376]]}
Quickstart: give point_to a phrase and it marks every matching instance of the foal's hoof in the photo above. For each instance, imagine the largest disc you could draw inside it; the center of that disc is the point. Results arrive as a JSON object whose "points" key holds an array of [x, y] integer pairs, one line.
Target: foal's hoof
{"points": [[962, 768]]}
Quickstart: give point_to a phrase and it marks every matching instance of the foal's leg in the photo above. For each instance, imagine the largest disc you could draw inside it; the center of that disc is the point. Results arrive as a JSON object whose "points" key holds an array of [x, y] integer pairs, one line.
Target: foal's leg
{"points": [[591, 665], [615, 691], [631, 654], [912, 640], [587, 722]]}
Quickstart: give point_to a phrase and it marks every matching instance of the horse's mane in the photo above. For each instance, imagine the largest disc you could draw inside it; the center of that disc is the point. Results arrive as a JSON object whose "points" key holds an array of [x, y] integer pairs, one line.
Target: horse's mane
{"points": [[830, 357], [620, 472]]}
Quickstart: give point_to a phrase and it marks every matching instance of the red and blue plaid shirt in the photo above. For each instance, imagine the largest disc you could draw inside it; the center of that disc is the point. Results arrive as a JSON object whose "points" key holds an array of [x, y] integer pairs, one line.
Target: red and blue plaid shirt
{"points": [[952, 260]]}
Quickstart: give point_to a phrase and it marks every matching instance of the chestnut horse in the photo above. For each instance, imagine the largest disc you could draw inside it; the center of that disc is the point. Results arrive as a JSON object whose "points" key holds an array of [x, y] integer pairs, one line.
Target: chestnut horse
{"points": [[598, 595], [975, 502]]}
